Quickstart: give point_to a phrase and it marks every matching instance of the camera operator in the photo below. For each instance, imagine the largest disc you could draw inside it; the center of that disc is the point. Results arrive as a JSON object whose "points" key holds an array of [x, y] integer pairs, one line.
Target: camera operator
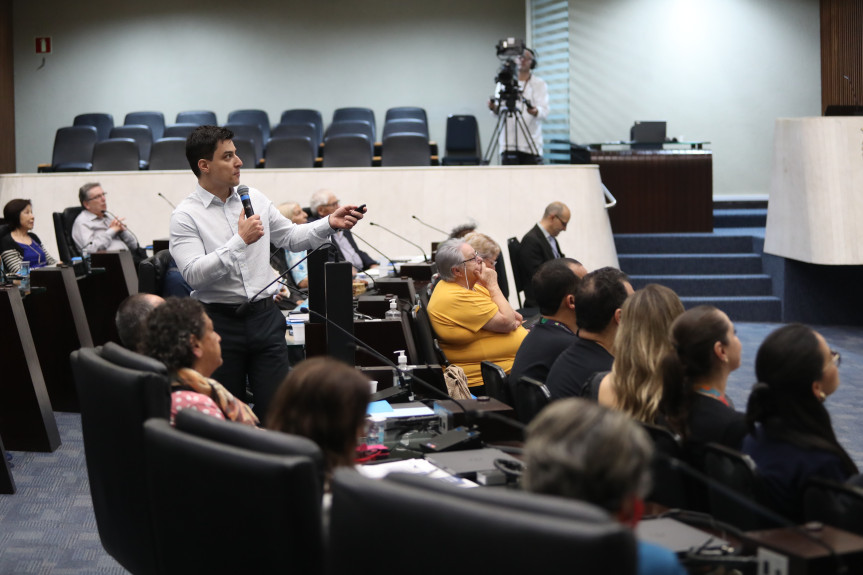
{"points": [[515, 149]]}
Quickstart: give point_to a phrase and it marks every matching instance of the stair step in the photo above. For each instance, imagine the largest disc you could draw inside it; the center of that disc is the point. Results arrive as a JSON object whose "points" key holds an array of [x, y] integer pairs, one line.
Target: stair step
{"points": [[740, 204], [734, 218], [681, 244], [715, 285], [690, 264], [759, 309]]}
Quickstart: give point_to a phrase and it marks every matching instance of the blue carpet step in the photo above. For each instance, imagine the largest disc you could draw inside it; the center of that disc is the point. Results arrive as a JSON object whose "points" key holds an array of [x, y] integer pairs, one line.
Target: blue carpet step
{"points": [[682, 244], [760, 309], [690, 264], [713, 285], [735, 218]]}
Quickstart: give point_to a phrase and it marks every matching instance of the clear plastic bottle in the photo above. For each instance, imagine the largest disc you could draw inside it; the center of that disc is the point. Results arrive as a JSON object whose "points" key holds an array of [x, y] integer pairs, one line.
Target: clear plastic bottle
{"points": [[85, 258], [24, 274], [393, 312]]}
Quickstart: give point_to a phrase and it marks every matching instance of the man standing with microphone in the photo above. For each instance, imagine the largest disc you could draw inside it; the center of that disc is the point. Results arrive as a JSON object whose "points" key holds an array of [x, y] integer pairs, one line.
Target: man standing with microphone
{"points": [[220, 240]]}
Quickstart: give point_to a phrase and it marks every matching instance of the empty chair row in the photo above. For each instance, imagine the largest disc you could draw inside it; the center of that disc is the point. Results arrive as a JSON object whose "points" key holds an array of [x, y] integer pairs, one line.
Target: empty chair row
{"points": [[104, 122]]}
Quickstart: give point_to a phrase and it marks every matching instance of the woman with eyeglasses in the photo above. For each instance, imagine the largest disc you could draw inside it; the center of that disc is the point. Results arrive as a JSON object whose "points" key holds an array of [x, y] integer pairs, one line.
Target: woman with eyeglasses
{"points": [[791, 437], [19, 244], [472, 319]]}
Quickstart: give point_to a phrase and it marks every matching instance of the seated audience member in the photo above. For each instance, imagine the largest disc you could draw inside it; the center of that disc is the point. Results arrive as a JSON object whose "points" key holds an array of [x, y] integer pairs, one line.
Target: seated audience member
{"points": [[469, 314], [598, 301], [94, 229], [131, 318], [300, 274], [180, 334], [21, 244], [324, 203], [705, 350], [580, 450], [326, 401], [634, 385], [484, 246], [540, 245], [790, 436], [554, 284]]}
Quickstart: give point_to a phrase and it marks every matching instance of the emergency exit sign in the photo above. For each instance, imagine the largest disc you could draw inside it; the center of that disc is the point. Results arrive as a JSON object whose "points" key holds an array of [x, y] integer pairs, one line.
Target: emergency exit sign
{"points": [[43, 45]]}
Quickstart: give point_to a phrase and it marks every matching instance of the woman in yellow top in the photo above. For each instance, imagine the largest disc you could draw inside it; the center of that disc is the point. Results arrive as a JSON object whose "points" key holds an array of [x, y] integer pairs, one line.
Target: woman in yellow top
{"points": [[472, 319]]}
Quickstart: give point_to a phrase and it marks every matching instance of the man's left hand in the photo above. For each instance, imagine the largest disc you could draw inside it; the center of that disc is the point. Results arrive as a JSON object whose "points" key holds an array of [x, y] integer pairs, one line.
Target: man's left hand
{"points": [[345, 217]]}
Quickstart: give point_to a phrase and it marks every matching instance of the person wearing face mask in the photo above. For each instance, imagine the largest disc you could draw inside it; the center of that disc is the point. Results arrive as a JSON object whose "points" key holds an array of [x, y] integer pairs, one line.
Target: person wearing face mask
{"points": [[472, 319], [19, 244]]}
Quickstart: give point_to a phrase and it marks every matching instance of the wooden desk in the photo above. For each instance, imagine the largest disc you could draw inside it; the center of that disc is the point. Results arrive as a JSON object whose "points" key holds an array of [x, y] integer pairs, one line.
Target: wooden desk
{"points": [[806, 557], [658, 191], [26, 420], [59, 327], [103, 293]]}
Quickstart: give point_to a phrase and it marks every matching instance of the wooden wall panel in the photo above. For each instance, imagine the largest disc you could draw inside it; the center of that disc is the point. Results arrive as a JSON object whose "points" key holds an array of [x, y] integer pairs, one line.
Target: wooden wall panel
{"points": [[841, 52]]}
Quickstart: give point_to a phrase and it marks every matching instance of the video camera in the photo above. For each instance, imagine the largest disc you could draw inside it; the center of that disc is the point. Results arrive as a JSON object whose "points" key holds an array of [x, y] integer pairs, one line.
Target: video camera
{"points": [[507, 76]]}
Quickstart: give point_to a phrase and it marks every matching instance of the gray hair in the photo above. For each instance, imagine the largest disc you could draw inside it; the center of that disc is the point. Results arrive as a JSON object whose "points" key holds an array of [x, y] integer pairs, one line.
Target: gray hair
{"points": [[449, 256], [581, 450], [319, 199], [85, 190], [553, 209]]}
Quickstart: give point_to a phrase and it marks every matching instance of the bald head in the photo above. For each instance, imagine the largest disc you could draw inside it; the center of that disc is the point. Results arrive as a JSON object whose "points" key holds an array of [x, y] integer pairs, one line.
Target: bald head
{"points": [[132, 316], [555, 218]]}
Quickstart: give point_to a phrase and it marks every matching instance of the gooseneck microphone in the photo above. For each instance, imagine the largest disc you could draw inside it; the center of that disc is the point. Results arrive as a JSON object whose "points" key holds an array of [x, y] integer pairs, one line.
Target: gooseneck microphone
{"points": [[244, 307], [110, 215], [388, 258], [170, 203], [430, 226], [243, 192], [425, 256]]}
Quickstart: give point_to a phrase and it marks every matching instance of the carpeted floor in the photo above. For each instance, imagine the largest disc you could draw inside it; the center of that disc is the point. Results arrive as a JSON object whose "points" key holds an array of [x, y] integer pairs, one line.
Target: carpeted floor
{"points": [[48, 526]]}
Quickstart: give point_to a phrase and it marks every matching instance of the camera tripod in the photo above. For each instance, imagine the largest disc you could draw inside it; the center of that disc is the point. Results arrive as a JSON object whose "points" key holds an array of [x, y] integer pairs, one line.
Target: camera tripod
{"points": [[506, 110]]}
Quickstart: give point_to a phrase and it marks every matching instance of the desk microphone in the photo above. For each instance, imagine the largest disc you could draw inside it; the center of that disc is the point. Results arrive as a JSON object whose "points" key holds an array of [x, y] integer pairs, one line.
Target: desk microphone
{"points": [[468, 412], [430, 226], [388, 258], [426, 258], [109, 214], [166, 199], [245, 306]]}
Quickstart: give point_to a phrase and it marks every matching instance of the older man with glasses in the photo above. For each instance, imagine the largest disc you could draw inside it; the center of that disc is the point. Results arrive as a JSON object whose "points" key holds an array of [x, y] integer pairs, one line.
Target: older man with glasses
{"points": [[323, 203], [472, 319], [95, 229], [539, 245]]}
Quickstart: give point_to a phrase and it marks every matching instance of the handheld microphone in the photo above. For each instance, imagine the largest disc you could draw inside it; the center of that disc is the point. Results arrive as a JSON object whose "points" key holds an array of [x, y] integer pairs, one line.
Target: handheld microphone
{"points": [[243, 192], [426, 258], [388, 258], [244, 307], [170, 203], [430, 226]]}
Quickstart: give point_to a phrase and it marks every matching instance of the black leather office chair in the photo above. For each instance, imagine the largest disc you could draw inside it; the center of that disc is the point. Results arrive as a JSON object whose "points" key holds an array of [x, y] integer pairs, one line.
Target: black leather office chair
{"points": [[115, 402], [495, 380], [836, 504], [428, 347], [199, 526], [530, 397], [671, 486], [245, 437], [151, 272], [738, 472], [509, 532], [514, 247], [63, 222]]}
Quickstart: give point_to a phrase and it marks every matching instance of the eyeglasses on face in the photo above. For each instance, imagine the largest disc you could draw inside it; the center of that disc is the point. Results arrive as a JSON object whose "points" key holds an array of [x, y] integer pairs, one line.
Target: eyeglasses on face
{"points": [[563, 222], [97, 196], [476, 258]]}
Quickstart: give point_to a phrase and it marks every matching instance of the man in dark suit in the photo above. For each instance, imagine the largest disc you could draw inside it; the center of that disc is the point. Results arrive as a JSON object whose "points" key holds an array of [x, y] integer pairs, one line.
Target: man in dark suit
{"points": [[540, 245], [322, 204]]}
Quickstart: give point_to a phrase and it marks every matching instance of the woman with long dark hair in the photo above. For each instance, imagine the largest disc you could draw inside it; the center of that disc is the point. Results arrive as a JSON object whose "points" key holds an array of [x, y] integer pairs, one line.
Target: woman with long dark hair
{"points": [[705, 350], [791, 436]]}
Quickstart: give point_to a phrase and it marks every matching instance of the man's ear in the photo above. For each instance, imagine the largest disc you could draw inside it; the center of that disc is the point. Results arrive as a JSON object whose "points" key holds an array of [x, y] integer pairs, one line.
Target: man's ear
{"points": [[569, 301], [204, 166], [618, 313]]}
